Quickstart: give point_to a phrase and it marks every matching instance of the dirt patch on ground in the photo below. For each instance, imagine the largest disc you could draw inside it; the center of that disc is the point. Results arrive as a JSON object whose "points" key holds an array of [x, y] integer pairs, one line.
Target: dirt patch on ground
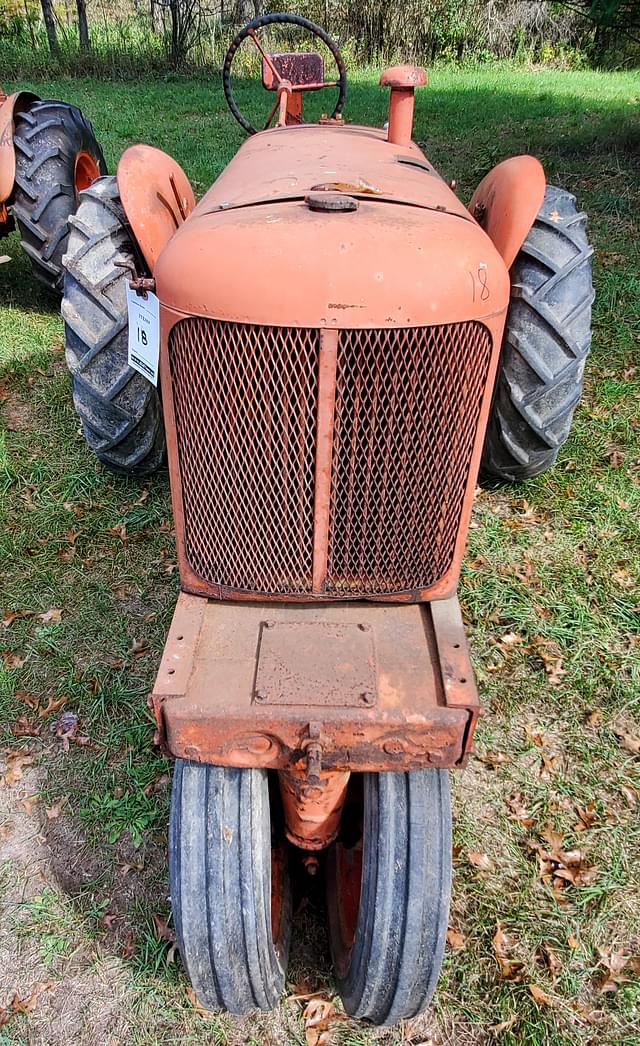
{"points": [[18, 414], [46, 959]]}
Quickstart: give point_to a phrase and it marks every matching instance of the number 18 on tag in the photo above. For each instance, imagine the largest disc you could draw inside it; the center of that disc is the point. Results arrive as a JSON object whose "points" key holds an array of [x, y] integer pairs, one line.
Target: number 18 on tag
{"points": [[144, 333]]}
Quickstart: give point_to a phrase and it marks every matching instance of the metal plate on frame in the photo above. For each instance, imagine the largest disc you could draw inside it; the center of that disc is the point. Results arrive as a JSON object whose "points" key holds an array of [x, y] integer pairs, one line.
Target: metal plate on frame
{"points": [[316, 663]]}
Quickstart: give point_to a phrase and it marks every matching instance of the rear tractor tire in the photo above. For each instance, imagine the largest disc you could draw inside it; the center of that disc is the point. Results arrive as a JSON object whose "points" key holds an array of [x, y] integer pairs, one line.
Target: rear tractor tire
{"points": [[57, 156], [546, 342], [229, 886], [120, 410], [389, 886]]}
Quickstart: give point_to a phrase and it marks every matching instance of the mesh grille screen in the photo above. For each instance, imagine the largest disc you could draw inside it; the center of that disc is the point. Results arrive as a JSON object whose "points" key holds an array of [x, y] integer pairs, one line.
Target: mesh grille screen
{"points": [[245, 407], [407, 407], [406, 413]]}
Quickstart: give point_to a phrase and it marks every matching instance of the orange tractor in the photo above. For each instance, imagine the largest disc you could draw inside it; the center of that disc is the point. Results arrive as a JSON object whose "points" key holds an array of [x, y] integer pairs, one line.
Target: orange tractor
{"points": [[48, 155], [343, 346]]}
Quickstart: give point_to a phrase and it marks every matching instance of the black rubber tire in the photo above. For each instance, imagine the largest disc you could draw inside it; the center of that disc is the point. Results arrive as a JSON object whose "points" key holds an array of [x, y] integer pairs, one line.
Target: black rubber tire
{"points": [[546, 342], [220, 879], [47, 138], [120, 410], [391, 969]]}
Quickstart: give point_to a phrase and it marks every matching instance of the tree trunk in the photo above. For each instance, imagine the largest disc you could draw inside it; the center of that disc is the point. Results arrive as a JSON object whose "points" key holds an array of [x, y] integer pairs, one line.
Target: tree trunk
{"points": [[27, 18], [50, 24], [155, 20], [174, 7], [83, 25]]}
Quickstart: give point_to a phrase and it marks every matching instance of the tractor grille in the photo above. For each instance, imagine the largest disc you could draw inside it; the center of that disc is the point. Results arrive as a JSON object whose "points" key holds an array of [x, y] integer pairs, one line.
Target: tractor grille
{"points": [[245, 407], [407, 404]]}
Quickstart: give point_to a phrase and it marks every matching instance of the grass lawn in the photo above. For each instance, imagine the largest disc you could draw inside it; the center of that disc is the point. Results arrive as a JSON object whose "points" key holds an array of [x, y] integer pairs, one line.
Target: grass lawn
{"points": [[546, 900]]}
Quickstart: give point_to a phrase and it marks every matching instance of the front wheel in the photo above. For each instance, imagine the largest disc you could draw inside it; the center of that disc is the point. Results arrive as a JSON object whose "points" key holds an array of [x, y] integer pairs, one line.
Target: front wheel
{"points": [[120, 410], [229, 886], [389, 884]]}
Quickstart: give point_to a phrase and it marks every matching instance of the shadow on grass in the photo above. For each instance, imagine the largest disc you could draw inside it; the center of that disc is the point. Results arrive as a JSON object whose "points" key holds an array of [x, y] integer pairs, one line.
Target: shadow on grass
{"points": [[19, 288]]}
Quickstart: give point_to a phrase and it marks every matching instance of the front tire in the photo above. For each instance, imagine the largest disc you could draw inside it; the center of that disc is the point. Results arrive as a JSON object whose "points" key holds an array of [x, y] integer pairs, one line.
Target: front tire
{"points": [[388, 895], [229, 886], [546, 342], [120, 410], [57, 155]]}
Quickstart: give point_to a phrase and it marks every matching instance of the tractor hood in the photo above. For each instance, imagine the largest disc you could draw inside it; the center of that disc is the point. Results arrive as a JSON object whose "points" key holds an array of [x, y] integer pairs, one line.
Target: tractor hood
{"points": [[255, 251]]}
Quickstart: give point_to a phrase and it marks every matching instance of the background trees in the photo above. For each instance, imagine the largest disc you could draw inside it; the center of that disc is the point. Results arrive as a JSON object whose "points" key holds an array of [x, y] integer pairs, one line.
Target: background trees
{"points": [[128, 37]]}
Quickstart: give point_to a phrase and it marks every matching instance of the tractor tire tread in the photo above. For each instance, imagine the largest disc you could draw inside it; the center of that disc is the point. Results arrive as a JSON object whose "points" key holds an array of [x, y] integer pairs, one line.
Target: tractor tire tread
{"points": [[47, 139], [547, 339], [404, 903], [120, 410], [219, 842]]}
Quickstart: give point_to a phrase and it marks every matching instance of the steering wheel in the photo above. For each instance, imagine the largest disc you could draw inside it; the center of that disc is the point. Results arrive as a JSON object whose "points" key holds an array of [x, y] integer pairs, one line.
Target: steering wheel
{"points": [[251, 30]]}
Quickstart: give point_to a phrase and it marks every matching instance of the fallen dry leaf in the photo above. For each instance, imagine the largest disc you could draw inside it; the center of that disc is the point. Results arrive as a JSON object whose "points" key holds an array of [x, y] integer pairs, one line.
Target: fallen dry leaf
{"points": [[139, 648], [497, 1029], [129, 947], [120, 531], [16, 761], [537, 736], [519, 811], [51, 617], [158, 784], [494, 759], [540, 995], [587, 817], [133, 866], [24, 1005], [24, 728], [615, 457], [550, 763], [630, 795], [551, 657], [200, 1010], [511, 639], [558, 866], [12, 660], [630, 743], [56, 809], [29, 802], [552, 961], [456, 940], [622, 577], [22, 695], [481, 861], [15, 615], [163, 932], [318, 1015], [53, 705], [615, 963], [510, 969]]}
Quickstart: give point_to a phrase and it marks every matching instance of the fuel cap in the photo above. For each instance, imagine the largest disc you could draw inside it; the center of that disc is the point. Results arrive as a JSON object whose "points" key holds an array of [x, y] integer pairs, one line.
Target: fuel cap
{"points": [[330, 201]]}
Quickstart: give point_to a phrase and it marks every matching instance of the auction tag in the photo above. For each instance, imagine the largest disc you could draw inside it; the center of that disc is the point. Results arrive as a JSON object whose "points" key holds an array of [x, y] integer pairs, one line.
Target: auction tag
{"points": [[144, 333]]}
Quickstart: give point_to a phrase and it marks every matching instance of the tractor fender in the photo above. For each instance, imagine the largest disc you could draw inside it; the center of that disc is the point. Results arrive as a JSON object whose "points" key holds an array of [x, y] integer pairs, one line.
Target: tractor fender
{"points": [[9, 106], [507, 202], [156, 196]]}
